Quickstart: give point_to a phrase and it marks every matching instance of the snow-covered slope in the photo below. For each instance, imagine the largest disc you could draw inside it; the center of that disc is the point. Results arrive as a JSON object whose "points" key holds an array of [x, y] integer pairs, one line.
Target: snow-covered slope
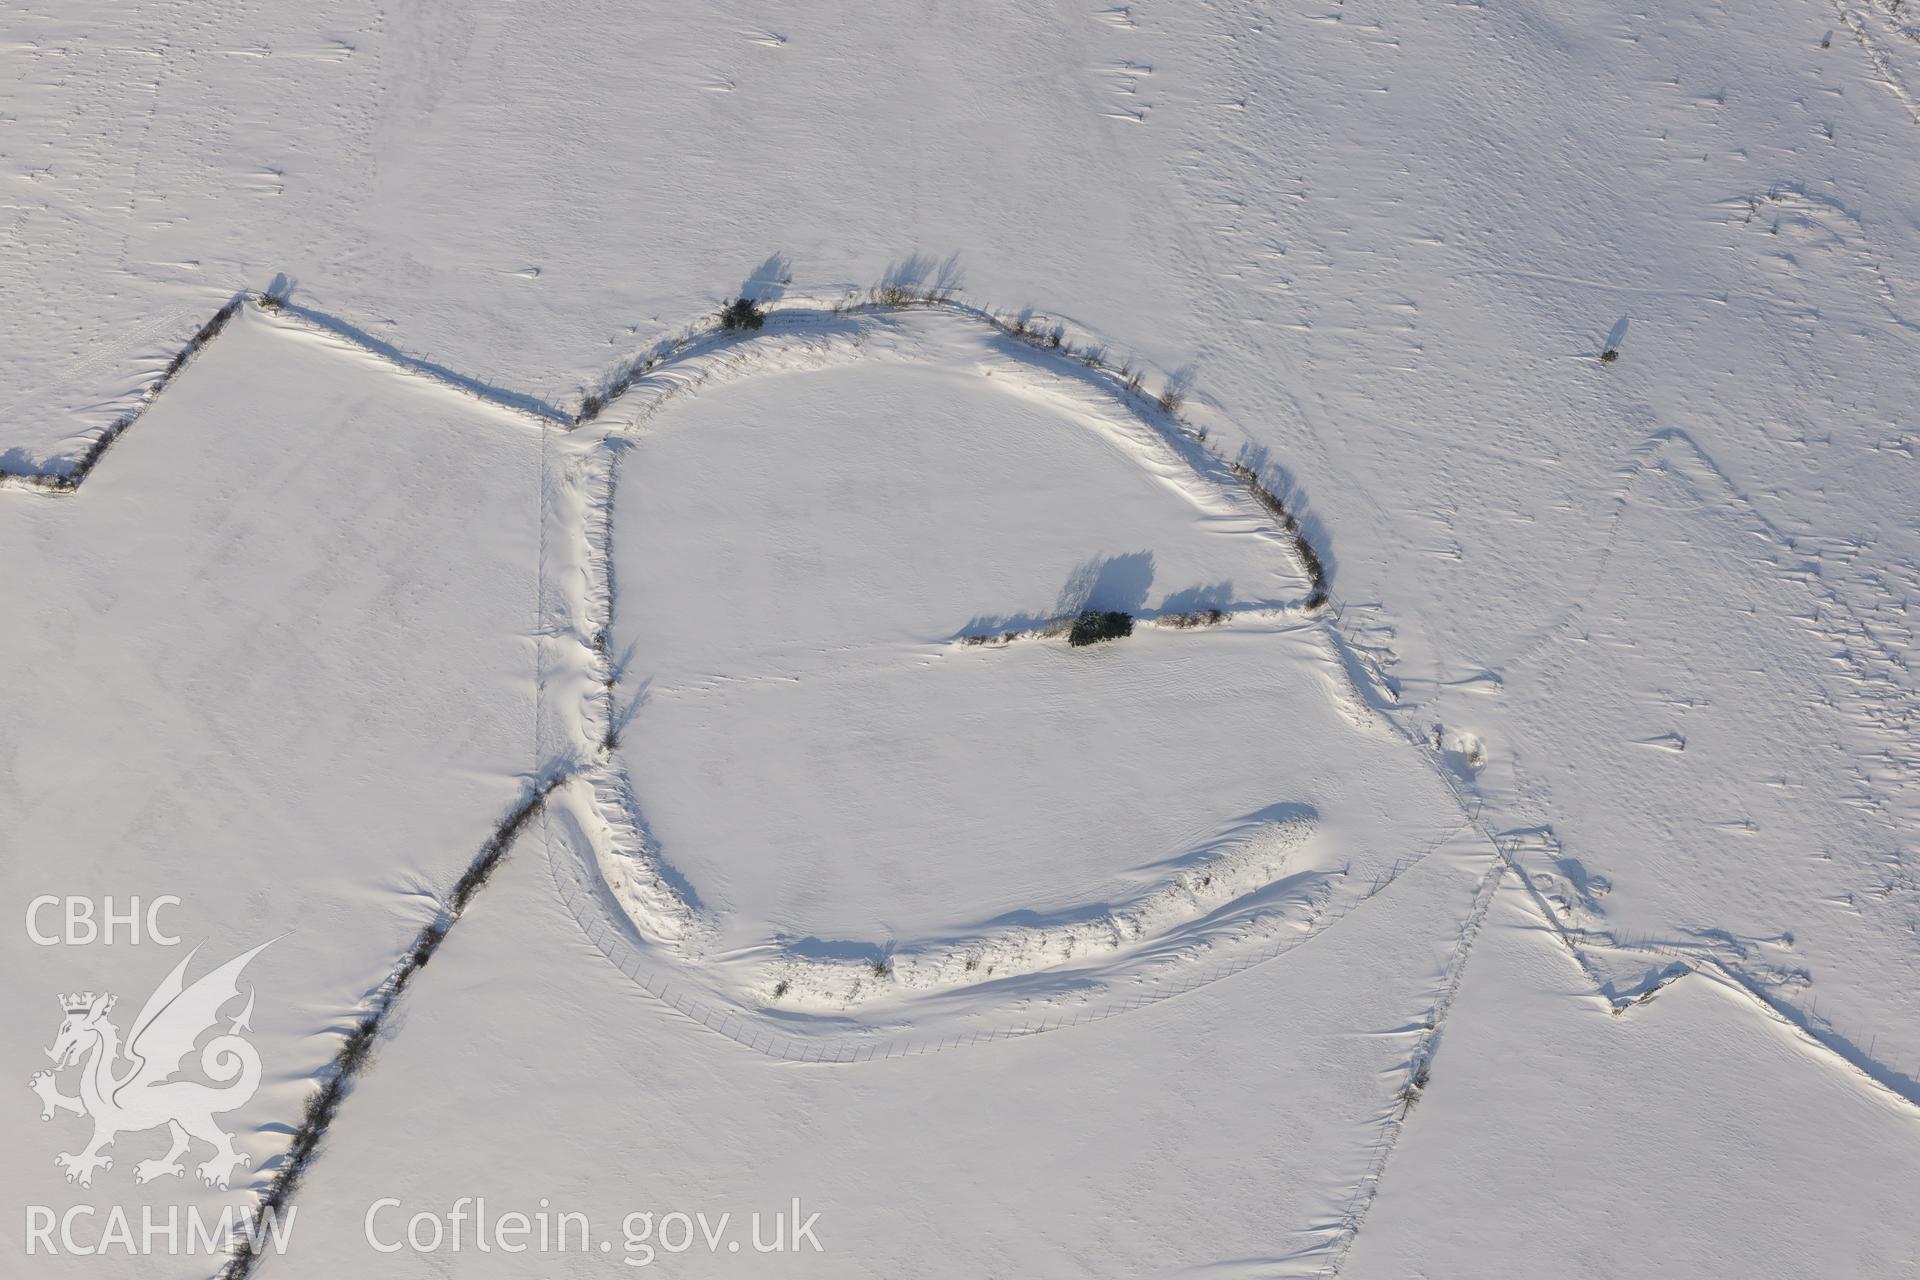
{"points": [[1545, 902]]}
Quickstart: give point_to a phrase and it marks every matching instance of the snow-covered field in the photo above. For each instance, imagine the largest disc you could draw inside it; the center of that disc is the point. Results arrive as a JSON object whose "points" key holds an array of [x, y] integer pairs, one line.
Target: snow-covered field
{"points": [[653, 757]]}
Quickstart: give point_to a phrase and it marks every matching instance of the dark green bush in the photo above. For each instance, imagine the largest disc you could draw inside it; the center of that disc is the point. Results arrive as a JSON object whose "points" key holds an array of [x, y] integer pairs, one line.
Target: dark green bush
{"points": [[742, 314], [1095, 625]]}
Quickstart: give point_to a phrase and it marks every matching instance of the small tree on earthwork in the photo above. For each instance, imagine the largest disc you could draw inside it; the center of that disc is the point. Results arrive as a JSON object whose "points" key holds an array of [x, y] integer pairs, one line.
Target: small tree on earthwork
{"points": [[742, 314], [1095, 625]]}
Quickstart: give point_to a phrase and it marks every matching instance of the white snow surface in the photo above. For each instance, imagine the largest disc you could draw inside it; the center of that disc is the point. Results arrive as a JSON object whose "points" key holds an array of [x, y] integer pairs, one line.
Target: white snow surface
{"points": [[1548, 903]]}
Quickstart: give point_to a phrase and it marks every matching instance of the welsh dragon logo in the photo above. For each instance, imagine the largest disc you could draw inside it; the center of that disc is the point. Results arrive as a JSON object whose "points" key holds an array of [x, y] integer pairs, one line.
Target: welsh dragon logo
{"points": [[126, 1089]]}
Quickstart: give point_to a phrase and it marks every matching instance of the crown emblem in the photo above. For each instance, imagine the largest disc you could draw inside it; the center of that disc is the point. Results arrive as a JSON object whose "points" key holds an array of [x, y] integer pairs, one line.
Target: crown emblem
{"points": [[80, 1002]]}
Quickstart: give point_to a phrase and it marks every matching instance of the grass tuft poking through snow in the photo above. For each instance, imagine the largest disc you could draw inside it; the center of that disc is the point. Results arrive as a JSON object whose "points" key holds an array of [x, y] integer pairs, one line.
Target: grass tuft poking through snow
{"points": [[1194, 618]]}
